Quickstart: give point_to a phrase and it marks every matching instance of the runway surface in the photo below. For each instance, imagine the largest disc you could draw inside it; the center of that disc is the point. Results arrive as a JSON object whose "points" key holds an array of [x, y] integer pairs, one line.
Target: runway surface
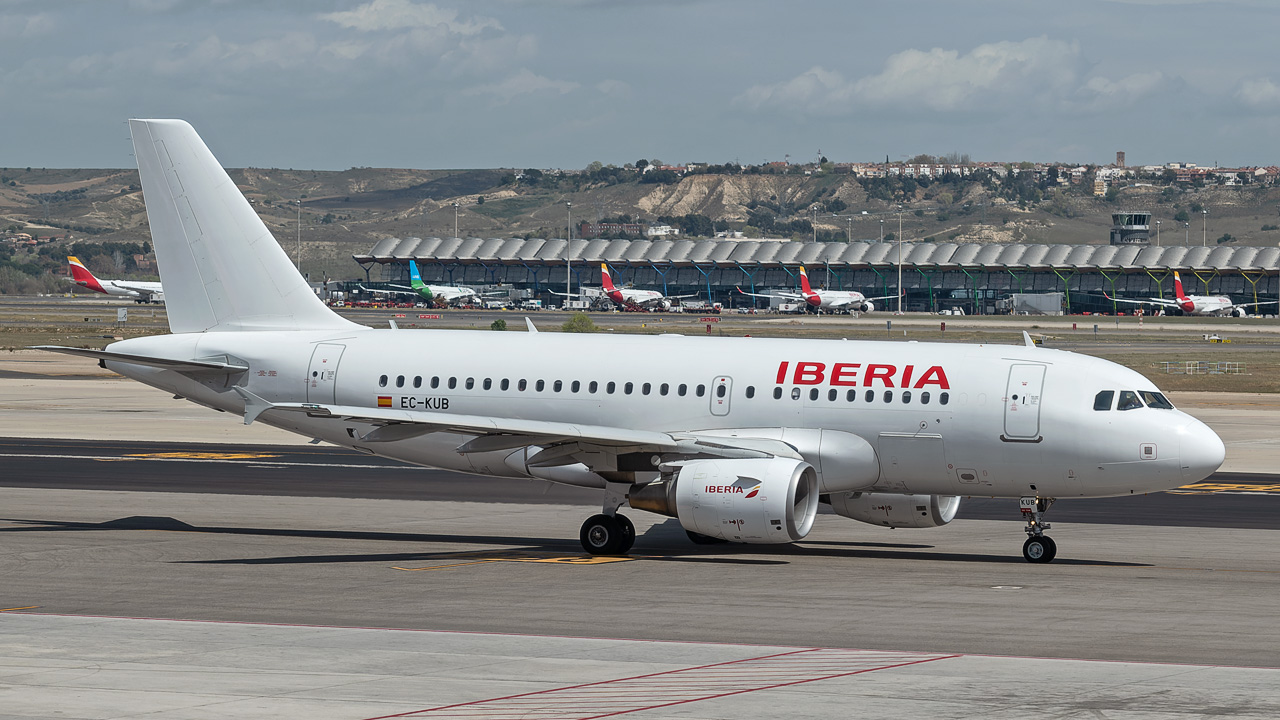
{"points": [[1226, 500]]}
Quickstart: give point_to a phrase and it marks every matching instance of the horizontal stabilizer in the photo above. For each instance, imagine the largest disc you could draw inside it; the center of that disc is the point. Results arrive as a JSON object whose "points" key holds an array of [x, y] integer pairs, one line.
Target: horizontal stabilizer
{"points": [[190, 365]]}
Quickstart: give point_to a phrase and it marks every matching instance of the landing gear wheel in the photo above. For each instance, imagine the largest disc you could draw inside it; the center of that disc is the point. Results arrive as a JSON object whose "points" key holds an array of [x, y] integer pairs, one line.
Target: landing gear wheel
{"points": [[602, 535], [700, 539], [1039, 549], [628, 533]]}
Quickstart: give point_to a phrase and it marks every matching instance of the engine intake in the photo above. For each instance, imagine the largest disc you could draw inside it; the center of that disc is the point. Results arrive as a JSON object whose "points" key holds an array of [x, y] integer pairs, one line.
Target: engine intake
{"points": [[765, 500], [896, 510]]}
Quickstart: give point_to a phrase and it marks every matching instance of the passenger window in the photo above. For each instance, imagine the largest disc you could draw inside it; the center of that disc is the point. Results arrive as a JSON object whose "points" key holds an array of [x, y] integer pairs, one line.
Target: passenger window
{"points": [[506, 383], [627, 388], [610, 387], [777, 393], [382, 381], [720, 391], [575, 386], [1102, 401], [488, 383], [871, 395], [540, 385], [399, 381], [888, 396], [943, 398], [417, 381], [851, 396], [645, 389], [471, 383], [663, 389], [751, 391], [682, 390], [1128, 400], [522, 385], [832, 394], [813, 393], [701, 390], [453, 383], [1156, 400], [906, 396], [924, 398], [557, 386], [435, 382], [593, 387], [795, 393]]}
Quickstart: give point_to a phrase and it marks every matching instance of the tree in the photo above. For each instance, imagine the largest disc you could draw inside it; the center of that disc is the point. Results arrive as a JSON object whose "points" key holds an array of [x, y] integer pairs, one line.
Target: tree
{"points": [[1182, 216], [579, 323], [498, 325], [641, 164]]}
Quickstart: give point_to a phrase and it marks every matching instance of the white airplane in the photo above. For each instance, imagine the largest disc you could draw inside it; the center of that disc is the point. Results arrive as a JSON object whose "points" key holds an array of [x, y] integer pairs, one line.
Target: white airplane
{"points": [[737, 438], [630, 297], [826, 300], [1195, 304], [448, 294], [138, 290]]}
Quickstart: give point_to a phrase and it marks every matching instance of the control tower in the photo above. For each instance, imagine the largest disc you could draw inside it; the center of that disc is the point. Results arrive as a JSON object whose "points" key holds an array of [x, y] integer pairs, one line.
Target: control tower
{"points": [[1131, 228]]}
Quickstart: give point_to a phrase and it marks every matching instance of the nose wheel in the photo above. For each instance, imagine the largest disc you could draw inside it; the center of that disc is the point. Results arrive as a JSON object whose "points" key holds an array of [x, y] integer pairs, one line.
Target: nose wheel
{"points": [[1039, 548]]}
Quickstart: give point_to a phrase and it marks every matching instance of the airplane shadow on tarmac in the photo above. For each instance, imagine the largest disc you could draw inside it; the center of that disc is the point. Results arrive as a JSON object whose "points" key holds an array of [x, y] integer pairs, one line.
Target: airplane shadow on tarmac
{"points": [[664, 542]]}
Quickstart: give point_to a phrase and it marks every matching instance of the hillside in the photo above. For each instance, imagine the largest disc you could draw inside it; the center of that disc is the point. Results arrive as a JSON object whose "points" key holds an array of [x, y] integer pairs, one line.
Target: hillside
{"points": [[347, 211]]}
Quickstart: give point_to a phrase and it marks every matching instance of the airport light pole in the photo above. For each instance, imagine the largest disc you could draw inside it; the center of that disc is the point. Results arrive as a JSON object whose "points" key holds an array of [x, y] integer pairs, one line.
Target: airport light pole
{"points": [[881, 231], [1204, 227], [899, 260], [298, 202], [1186, 234], [568, 258], [455, 220], [1157, 233]]}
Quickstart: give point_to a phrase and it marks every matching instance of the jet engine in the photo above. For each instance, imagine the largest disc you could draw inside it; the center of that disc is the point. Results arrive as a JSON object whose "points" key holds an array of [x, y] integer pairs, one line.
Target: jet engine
{"points": [[867, 307], [896, 510], [755, 500], [1239, 312], [665, 304]]}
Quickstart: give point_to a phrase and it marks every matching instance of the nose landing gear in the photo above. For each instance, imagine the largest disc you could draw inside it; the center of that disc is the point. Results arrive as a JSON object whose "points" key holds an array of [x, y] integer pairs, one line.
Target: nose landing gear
{"points": [[1039, 548]]}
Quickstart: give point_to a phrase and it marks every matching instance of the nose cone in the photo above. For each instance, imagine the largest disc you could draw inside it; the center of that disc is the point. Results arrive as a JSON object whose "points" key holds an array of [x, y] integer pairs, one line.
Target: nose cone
{"points": [[1200, 451]]}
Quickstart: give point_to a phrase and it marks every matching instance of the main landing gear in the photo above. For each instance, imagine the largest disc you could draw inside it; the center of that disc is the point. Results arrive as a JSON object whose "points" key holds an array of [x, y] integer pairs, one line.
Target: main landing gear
{"points": [[1039, 548], [609, 533]]}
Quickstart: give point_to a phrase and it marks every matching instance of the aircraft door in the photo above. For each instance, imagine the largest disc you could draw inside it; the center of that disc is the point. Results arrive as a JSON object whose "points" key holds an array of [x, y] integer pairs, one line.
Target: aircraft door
{"points": [[721, 394], [1022, 404], [322, 374]]}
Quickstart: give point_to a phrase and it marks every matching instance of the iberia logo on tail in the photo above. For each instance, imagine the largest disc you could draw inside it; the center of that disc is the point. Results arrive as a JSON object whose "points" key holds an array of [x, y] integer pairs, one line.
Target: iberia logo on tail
{"points": [[607, 283], [1183, 301], [81, 275], [810, 296]]}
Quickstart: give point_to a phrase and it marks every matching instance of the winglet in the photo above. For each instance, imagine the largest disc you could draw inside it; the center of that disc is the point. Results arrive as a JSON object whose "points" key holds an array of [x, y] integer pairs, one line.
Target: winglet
{"points": [[1026, 338], [253, 405], [529, 324]]}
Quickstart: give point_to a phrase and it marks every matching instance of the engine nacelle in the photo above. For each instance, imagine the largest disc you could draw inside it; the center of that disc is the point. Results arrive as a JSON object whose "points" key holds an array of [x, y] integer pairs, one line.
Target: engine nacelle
{"points": [[868, 307], [764, 500], [665, 304], [843, 461], [896, 510], [1239, 312]]}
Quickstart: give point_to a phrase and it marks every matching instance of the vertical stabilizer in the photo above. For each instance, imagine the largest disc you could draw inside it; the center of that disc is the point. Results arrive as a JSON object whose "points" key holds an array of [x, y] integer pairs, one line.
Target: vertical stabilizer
{"points": [[605, 280], [82, 276], [220, 267], [415, 282], [1177, 287], [804, 283]]}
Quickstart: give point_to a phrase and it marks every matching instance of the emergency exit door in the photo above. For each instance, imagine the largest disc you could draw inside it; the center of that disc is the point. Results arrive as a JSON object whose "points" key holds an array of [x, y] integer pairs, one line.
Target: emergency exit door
{"points": [[322, 374]]}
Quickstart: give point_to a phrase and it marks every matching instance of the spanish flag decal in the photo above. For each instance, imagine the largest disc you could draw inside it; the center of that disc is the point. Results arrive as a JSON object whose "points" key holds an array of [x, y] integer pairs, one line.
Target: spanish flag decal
{"points": [[384, 401]]}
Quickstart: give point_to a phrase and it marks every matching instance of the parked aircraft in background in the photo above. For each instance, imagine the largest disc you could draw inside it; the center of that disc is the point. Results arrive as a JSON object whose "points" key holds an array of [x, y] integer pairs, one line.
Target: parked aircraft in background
{"points": [[1185, 304], [138, 290], [739, 439], [826, 300], [448, 294], [630, 298]]}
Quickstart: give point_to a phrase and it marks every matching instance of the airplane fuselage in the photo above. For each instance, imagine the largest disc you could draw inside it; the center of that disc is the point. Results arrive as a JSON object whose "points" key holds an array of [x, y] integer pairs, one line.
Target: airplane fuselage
{"points": [[998, 421]]}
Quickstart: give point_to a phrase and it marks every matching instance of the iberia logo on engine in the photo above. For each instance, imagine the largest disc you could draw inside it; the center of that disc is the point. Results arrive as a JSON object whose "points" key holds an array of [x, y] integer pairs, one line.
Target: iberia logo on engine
{"points": [[733, 490]]}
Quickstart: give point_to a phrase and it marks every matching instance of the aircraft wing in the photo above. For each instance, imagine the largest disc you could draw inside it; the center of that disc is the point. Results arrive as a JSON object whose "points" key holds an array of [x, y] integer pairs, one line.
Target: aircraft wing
{"points": [[1264, 302], [139, 287], [1148, 301], [784, 296], [883, 297], [406, 291], [561, 442]]}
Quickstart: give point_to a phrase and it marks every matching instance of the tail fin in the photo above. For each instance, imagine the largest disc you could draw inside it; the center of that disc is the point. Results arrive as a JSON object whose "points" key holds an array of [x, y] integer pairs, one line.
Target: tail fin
{"points": [[1177, 286], [605, 280], [82, 276], [415, 282], [804, 282], [220, 267]]}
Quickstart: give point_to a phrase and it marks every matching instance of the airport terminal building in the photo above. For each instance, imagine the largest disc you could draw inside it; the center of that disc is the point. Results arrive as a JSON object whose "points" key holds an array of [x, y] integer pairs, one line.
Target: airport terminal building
{"points": [[934, 276]]}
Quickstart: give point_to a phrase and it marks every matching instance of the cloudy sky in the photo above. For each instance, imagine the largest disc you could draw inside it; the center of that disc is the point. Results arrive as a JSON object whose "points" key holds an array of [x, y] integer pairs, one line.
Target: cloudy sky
{"points": [[332, 84]]}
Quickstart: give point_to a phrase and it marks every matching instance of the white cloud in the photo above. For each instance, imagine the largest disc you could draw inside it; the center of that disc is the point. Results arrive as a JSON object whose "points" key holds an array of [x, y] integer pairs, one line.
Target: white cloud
{"points": [[1102, 93], [1259, 93], [381, 15], [524, 82], [614, 88], [936, 79]]}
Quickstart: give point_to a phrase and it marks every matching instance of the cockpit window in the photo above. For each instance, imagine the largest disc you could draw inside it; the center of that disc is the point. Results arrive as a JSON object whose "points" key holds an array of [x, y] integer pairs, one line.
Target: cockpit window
{"points": [[1156, 400], [1128, 400], [1102, 401]]}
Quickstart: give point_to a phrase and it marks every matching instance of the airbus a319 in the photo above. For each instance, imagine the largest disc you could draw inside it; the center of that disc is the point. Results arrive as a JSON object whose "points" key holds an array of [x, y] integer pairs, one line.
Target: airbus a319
{"points": [[739, 439]]}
